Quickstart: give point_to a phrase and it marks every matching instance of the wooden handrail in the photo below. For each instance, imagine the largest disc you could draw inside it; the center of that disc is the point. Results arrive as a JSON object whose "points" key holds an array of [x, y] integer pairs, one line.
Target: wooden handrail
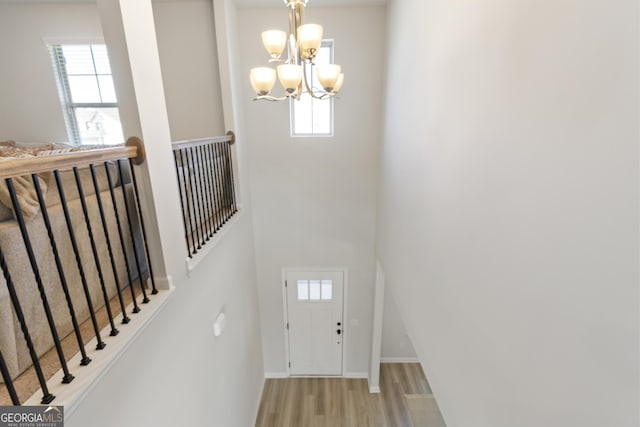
{"points": [[229, 138], [39, 164]]}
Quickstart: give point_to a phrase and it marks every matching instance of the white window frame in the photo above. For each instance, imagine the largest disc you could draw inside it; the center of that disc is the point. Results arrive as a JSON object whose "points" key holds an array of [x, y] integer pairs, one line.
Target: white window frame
{"points": [[64, 90], [292, 117]]}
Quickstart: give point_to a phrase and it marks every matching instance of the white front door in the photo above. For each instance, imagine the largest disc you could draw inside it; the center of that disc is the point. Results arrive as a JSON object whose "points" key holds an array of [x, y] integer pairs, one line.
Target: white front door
{"points": [[315, 324]]}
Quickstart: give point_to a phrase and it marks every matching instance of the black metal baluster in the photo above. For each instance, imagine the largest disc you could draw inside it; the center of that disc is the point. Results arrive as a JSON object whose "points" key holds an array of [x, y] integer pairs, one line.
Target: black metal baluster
{"points": [[201, 203], [136, 195], [94, 250], [210, 188], [107, 239], [223, 196], [67, 378], [205, 195], [192, 190], [72, 236], [214, 187], [145, 299], [214, 153], [197, 192], [8, 382], [225, 181], [136, 309], [184, 214], [198, 181], [184, 180], [47, 397], [63, 280], [210, 182], [234, 207]]}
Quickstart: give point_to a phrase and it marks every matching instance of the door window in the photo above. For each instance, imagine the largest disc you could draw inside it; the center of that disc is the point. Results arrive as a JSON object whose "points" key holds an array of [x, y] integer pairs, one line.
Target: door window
{"points": [[315, 290]]}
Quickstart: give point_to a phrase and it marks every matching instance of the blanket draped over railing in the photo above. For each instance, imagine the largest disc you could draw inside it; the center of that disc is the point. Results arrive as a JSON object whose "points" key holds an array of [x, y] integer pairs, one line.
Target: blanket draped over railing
{"points": [[26, 193]]}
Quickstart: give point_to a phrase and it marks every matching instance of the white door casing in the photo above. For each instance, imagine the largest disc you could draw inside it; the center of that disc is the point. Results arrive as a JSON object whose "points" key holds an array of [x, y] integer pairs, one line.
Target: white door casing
{"points": [[315, 322]]}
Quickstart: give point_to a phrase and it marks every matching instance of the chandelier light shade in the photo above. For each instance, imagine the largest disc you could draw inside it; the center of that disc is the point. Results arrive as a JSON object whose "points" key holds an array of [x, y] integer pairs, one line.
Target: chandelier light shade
{"points": [[309, 40], [328, 76], [263, 79], [290, 76], [302, 43], [274, 42], [339, 83]]}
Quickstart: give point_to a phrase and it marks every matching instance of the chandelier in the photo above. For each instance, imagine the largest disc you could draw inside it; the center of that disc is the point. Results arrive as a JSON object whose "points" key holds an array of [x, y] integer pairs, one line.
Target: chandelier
{"points": [[296, 71]]}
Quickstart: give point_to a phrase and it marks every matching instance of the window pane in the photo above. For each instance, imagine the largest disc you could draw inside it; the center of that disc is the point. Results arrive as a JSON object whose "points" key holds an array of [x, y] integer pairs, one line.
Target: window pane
{"points": [[303, 290], [99, 126], [84, 89], [107, 90], [314, 290], [302, 115], [311, 116], [321, 116], [78, 59], [327, 290], [83, 74], [101, 59]]}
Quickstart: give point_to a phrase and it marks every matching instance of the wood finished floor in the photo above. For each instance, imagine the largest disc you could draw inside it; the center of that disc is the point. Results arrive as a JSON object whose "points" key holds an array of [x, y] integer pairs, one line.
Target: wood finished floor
{"points": [[343, 402]]}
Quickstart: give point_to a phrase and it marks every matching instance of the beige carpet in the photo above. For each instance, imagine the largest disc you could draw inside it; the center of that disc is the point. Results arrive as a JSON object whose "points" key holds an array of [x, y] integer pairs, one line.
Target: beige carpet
{"points": [[424, 411], [27, 383]]}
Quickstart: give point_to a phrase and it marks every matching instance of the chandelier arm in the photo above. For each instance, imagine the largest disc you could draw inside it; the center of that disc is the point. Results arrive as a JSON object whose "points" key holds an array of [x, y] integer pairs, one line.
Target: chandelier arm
{"points": [[327, 95], [270, 98], [296, 18], [310, 90]]}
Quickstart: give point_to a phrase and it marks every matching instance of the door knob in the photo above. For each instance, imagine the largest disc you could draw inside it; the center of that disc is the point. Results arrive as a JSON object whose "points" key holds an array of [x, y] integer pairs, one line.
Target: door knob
{"points": [[339, 323]]}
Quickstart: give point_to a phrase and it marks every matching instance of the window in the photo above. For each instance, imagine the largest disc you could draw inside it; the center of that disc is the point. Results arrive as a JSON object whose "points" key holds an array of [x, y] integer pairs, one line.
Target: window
{"points": [[309, 116], [87, 93], [315, 290]]}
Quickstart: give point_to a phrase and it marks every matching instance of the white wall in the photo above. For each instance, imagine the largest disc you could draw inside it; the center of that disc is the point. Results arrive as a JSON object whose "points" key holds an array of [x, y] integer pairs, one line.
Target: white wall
{"points": [[314, 198], [30, 108], [177, 373], [509, 206], [188, 57], [396, 344]]}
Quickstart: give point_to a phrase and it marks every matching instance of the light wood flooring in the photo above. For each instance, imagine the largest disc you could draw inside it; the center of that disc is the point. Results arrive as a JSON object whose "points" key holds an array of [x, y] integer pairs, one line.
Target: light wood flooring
{"points": [[344, 402]]}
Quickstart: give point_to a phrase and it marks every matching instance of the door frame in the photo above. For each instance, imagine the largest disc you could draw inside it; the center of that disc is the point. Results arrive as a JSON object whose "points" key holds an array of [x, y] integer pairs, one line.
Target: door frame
{"points": [[285, 314]]}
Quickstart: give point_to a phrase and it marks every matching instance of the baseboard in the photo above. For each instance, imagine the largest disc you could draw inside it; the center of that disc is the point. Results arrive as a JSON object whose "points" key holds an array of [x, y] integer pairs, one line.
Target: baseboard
{"points": [[373, 390], [268, 375], [399, 360], [358, 375]]}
